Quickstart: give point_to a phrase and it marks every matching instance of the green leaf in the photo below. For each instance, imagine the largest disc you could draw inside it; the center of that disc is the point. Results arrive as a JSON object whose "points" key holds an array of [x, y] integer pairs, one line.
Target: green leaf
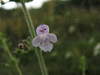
{"points": [[12, 62], [7, 65], [29, 38], [1, 35], [2, 2]]}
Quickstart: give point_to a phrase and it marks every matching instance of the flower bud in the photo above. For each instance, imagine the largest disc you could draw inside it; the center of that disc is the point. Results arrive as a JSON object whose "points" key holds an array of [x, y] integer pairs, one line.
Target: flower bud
{"points": [[21, 46]]}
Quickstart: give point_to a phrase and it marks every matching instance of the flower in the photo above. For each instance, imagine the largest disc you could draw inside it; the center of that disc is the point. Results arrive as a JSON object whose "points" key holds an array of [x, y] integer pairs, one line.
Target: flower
{"points": [[44, 38]]}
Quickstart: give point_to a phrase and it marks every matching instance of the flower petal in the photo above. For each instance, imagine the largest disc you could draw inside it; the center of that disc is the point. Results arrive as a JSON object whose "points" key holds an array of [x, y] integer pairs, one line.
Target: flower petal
{"points": [[46, 27], [52, 38], [42, 29], [46, 46], [36, 41]]}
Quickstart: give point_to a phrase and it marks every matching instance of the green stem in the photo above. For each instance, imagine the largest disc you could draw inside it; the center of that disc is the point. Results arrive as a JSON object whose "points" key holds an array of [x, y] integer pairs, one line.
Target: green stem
{"points": [[9, 53], [6, 48], [33, 34], [28, 19], [83, 70], [18, 69], [45, 70]]}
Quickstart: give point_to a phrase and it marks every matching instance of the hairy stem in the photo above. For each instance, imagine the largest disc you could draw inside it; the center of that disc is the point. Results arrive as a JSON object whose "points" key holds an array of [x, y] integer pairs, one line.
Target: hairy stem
{"points": [[33, 34], [11, 56]]}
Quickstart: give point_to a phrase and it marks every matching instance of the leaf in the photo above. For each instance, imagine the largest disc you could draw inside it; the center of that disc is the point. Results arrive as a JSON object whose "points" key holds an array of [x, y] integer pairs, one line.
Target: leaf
{"points": [[12, 62], [7, 65], [2, 3], [1, 35]]}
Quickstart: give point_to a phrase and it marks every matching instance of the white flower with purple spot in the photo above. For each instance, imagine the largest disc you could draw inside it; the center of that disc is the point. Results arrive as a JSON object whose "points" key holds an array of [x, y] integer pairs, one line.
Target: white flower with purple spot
{"points": [[44, 38]]}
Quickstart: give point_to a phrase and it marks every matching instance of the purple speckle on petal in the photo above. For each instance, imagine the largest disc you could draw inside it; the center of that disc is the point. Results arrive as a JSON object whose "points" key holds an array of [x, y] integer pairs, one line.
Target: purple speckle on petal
{"points": [[42, 29]]}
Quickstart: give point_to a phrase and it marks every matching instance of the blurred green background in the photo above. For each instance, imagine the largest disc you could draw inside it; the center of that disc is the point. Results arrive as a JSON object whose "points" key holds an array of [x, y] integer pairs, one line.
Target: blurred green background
{"points": [[77, 26]]}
